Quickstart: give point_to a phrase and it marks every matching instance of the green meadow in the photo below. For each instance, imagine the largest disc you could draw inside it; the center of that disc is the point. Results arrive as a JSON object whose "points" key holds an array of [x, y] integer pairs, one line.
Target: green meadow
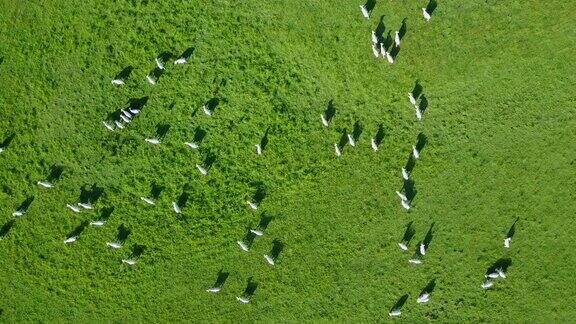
{"points": [[500, 126]]}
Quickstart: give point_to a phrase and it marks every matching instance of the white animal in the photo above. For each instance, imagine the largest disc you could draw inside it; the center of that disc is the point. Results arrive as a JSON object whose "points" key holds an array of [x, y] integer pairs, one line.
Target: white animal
{"points": [[374, 144], [202, 170], [405, 174], [45, 184], [403, 246], [159, 63], [125, 119], [252, 204], [507, 242], [422, 249], [243, 246], [97, 223], [394, 313], [397, 39], [402, 196], [415, 153], [206, 110], [257, 232], [243, 299], [119, 124], [405, 204], [426, 14], [151, 79], [134, 111], [365, 12], [389, 58], [126, 113], [181, 60], [351, 140], [74, 208], [493, 275], [375, 50], [418, 112], [374, 38], [415, 261], [114, 245], [383, 50], [85, 205], [501, 273], [1, 149], [152, 140], [424, 298], [71, 239], [147, 200], [487, 284], [191, 144], [118, 82], [18, 213], [324, 120], [129, 261], [108, 126], [269, 259], [258, 149], [176, 207], [214, 289], [337, 149], [412, 99]]}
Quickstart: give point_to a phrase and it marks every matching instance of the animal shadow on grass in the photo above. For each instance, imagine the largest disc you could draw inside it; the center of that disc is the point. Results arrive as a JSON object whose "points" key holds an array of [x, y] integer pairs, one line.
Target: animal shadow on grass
{"points": [[137, 251], [162, 130], [380, 135], [187, 53], [137, 103], [512, 229], [343, 139], [251, 286], [199, 135], [125, 73], [403, 29], [400, 303], [423, 103], [388, 41], [165, 56], [409, 189], [417, 90], [7, 140], [369, 5], [26, 204], [1, 61], [106, 213], [357, 131], [123, 233], [265, 220], [212, 104], [277, 247], [421, 141], [156, 190], [260, 193], [395, 51], [429, 287], [409, 232], [264, 140], [183, 199], [502, 263], [156, 73], [330, 111], [209, 160], [78, 229], [411, 163], [55, 172], [431, 6], [248, 238], [380, 28], [429, 236], [221, 278], [90, 195], [6, 228]]}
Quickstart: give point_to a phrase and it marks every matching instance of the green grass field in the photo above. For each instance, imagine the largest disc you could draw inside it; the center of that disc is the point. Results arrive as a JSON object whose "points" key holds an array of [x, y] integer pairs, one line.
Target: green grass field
{"points": [[499, 77]]}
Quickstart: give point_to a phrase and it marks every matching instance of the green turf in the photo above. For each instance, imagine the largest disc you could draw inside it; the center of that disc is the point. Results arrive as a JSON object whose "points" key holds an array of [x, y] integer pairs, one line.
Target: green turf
{"points": [[499, 77]]}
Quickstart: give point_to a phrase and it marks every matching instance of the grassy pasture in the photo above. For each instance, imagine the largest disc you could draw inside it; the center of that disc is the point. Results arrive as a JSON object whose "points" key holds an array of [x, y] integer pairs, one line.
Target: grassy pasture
{"points": [[500, 128]]}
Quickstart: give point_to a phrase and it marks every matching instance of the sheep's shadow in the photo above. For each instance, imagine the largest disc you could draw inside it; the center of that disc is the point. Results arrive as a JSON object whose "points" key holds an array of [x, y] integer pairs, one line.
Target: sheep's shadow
{"points": [[187, 53], [277, 247], [182, 199], [421, 141], [503, 264], [380, 28], [343, 139], [409, 232], [55, 172], [380, 135], [125, 73], [409, 189], [423, 105], [78, 229], [330, 111], [251, 286], [410, 164], [512, 229], [403, 29], [26, 204], [429, 236], [6, 228], [221, 278], [106, 213], [137, 251], [265, 220], [417, 90], [123, 233], [429, 287], [90, 195], [431, 6], [357, 130], [162, 130], [212, 104], [156, 190], [199, 135], [399, 303], [7, 140], [264, 140], [369, 5]]}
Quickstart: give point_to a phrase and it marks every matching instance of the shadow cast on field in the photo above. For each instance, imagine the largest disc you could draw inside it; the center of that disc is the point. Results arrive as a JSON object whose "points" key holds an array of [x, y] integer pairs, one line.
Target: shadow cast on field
{"points": [[106, 213], [409, 189], [380, 135], [403, 29], [417, 90], [502, 263], [26, 204], [409, 232], [91, 194], [431, 6], [7, 140], [78, 229], [137, 250], [156, 190], [400, 303], [199, 135], [429, 287], [369, 5], [123, 233], [357, 131], [330, 111], [55, 172], [429, 236], [277, 247], [162, 130], [125, 73], [264, 140], [221, 278], [512, 229], [187, 53], [6, 228], [251, 286]]}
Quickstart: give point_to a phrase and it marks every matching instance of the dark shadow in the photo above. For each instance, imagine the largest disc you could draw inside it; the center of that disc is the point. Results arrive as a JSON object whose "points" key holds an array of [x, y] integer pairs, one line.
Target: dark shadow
{"points": [[277, 248], [26, 204], [343, 139], [260, 193], [429, 287], [265, 220], [165, 56], [156, 190], [409, 232], [423, 103], [90, 195], [379, 135], [162, 130], [137, 103], [1, 61], [156, 73], [264, 140], [199, 135], [357, 130], [431, 6], [410, 164], [421, 141], [221, 278], [380, 28], [249, 238], [369, 5], [395, 51], [400, 303], [403, 29], [115, 115], [330, 111], [209, 161], [250, 287], [171, 105], [125, 73], [55, 172], [182, 199], [187, 53], [511, 231], [137, 250], [417, 90], [106, 213], [6, 228], [417, 253], [78, 229], [409, 189], [123, 233], [212, 104], [388, 41], [429, 236], [7, 140], [502, 263]]}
